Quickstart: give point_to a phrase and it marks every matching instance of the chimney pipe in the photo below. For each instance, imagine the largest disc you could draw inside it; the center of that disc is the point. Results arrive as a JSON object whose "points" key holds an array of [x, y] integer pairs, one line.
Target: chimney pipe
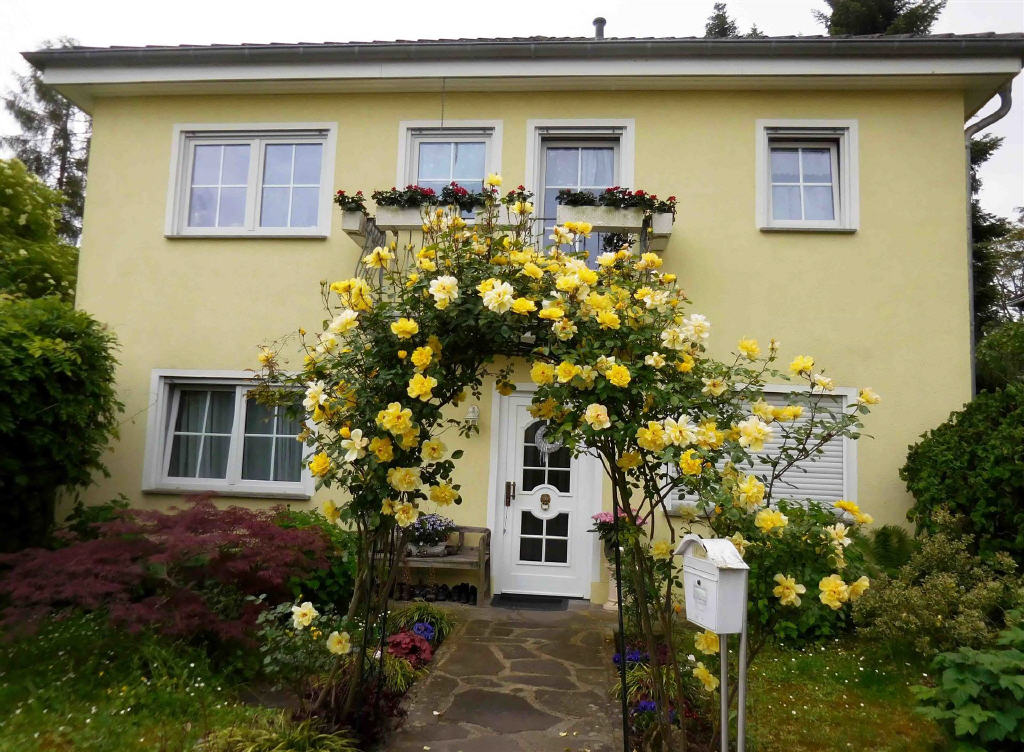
{"points": [[599, 27]]}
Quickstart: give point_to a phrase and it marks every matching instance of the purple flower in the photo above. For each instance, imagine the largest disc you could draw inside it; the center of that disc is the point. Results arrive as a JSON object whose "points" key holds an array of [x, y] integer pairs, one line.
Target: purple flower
{"points": [[424, 630]]}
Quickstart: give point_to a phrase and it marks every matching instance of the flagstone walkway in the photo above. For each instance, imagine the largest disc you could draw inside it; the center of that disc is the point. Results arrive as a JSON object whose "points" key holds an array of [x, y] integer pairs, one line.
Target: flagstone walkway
{"points": [[517, 681]]}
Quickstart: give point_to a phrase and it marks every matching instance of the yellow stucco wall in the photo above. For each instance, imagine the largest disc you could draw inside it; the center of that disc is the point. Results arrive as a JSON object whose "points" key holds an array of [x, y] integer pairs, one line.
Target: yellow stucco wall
{"points": [[886, 306]]}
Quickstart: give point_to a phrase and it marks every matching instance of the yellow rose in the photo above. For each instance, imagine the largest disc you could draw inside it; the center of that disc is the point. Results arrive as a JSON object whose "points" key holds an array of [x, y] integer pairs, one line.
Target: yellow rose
{"points": [[788, 590], [749, 348], [443, 494], [770, 520], [434, 450], [542, 373], [552, 313], [629, 460], [566, 371], [618, 375], [405, 514], [868, 397], [662, 550], [691, 463], [858, 587], [802, 364], [834, 592], [608, 319], [339, 643], [403, 478], [523, 306], [532, 271], [421, 387], [421, 357], [320, 465], [706, 642], [383, 449], [709, 680], [404, 328], [750, 492], [331, 511], [597, 416]]}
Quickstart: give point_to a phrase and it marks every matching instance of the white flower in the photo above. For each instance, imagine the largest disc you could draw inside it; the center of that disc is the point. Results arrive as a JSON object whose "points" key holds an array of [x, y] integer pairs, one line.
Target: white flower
{"points": [[696, 327], [339, 643], [754, 432], [444, 289], [674, 338], [499, 298], [655, 359], [303, 615], [681, 432], [314, 396], [356, 445], [597, 416], [344, 321]]}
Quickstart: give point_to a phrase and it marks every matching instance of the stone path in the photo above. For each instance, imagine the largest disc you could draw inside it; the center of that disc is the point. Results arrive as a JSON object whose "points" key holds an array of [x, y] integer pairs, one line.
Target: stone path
{"points": [[517, 681]]}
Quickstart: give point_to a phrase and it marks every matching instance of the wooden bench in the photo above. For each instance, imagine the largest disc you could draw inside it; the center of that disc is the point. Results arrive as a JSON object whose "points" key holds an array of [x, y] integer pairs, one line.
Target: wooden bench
{"points": [[476, 557]]}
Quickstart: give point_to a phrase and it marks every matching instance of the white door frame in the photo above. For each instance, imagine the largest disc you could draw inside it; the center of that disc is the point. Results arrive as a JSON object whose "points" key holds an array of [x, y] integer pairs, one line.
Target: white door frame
{"points": [[591, 487]]}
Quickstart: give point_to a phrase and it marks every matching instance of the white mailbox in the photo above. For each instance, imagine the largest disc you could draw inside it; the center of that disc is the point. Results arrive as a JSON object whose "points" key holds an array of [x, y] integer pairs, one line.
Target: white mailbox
{"points": [[714, 583]]}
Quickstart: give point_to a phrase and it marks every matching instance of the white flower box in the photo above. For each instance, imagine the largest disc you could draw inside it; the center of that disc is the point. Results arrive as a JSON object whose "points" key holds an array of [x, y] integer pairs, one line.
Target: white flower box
{"points": [[353, 224], [602, 218], [661, 231], [397, 219]]}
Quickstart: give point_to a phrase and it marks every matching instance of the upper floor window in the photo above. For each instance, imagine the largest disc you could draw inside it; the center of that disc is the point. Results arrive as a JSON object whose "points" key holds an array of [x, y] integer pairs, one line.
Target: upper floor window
{"points": [[433, 155], [249, 181], [807, 175], [206, 434]]}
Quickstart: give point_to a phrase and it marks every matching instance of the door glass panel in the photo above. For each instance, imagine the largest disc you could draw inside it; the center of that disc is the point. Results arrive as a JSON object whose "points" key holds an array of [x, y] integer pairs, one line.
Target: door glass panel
{"points": [[531, 524], [531, 549], [556, 551], [560, 458], [532, 479], [559, 479], [559, 525]]}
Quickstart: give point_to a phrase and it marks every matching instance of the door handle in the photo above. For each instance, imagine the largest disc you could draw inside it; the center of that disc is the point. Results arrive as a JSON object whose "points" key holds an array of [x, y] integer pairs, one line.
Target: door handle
{"points": [[510, 492]]}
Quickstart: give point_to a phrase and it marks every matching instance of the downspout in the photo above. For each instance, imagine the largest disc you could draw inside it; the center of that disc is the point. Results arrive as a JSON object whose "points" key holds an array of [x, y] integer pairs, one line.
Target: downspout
{"points": [[969, 133]]}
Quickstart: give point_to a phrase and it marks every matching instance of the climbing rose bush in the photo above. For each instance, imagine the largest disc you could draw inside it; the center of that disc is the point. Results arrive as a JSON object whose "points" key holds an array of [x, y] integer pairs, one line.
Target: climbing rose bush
{"points": [[622, 371]]}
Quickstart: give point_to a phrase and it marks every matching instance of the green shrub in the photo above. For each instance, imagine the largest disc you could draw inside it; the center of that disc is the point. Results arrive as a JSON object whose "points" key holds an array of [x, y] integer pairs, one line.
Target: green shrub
{"points": [[979, 697], [885, 549], [944, 597], [58, 409], [33, 260], [405, 618], [275, 734], [333, 585], [1000, 356], [974, 465]]}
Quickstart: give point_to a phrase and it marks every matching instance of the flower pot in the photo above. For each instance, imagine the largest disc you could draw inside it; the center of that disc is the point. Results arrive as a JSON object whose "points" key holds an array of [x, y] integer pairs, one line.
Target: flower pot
{"points": [[661, 231], [353, 224], [422, 549], [602, 218], [397, 219]]}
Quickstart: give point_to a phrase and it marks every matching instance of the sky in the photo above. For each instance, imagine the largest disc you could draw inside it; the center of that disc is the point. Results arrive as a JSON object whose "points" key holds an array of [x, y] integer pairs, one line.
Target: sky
{"points": [[24, 24]]}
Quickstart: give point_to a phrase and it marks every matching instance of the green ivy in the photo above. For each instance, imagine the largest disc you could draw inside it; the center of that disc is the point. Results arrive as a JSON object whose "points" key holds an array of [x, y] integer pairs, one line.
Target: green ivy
{"points": [[979, 698]]}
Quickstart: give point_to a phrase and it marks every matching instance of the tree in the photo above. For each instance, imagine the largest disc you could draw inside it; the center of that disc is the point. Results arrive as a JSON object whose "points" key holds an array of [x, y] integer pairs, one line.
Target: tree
{"points": [[57, 402], [859, 17], [987, 232], [1009, 276], [53, 143], [33, 260], [719, 25]]}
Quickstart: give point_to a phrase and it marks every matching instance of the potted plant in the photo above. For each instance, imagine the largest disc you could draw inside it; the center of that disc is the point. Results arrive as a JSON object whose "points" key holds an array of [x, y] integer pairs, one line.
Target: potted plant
{"points": [[402, 209], [428, 535], [353, 213], [619, 209]]}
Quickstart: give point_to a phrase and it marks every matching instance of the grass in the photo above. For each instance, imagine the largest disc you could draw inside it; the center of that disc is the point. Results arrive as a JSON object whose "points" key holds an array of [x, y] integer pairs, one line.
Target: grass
{"points": [[77, 685], [831, 698]]}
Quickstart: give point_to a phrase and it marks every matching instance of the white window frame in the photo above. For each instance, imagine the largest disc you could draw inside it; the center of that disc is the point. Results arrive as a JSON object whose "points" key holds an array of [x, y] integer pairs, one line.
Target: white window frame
{"points": [[187, 135], [849, 397], [842, 134], [159, 436], [412, 132], [600, 129]]}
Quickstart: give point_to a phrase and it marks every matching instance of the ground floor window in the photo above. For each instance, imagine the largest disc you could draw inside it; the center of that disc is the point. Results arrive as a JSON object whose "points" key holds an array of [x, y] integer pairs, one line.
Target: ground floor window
{"points": [[206, 433]]}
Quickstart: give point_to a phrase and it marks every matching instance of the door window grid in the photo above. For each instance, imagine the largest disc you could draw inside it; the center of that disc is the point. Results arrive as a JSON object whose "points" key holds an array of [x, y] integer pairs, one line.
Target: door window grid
{"points": [[227, 422], [544, 541], [803, 181], [539, 469]]}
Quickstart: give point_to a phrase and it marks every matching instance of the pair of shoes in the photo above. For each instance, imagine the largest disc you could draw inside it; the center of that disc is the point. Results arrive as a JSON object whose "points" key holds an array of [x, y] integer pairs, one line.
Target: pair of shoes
{"points": [[472, 595], [460, 592], [444, 593], [430, 593]]}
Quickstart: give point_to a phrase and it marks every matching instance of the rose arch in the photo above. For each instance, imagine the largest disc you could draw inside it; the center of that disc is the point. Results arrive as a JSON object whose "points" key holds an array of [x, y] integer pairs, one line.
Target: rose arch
{"points": [[623, 373]]}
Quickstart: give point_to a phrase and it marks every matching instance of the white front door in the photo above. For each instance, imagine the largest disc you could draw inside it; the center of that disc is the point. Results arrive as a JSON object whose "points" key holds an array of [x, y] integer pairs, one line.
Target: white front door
{"points": [[543, 500]]}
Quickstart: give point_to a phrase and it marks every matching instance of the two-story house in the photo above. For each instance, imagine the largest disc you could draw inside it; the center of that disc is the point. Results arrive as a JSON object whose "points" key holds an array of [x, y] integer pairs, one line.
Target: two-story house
{"points": [[822, 201]]}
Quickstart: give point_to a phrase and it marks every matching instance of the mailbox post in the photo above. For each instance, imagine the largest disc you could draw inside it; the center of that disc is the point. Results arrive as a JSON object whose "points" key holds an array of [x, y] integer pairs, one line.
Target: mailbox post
{"points": [[715, 590]]}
